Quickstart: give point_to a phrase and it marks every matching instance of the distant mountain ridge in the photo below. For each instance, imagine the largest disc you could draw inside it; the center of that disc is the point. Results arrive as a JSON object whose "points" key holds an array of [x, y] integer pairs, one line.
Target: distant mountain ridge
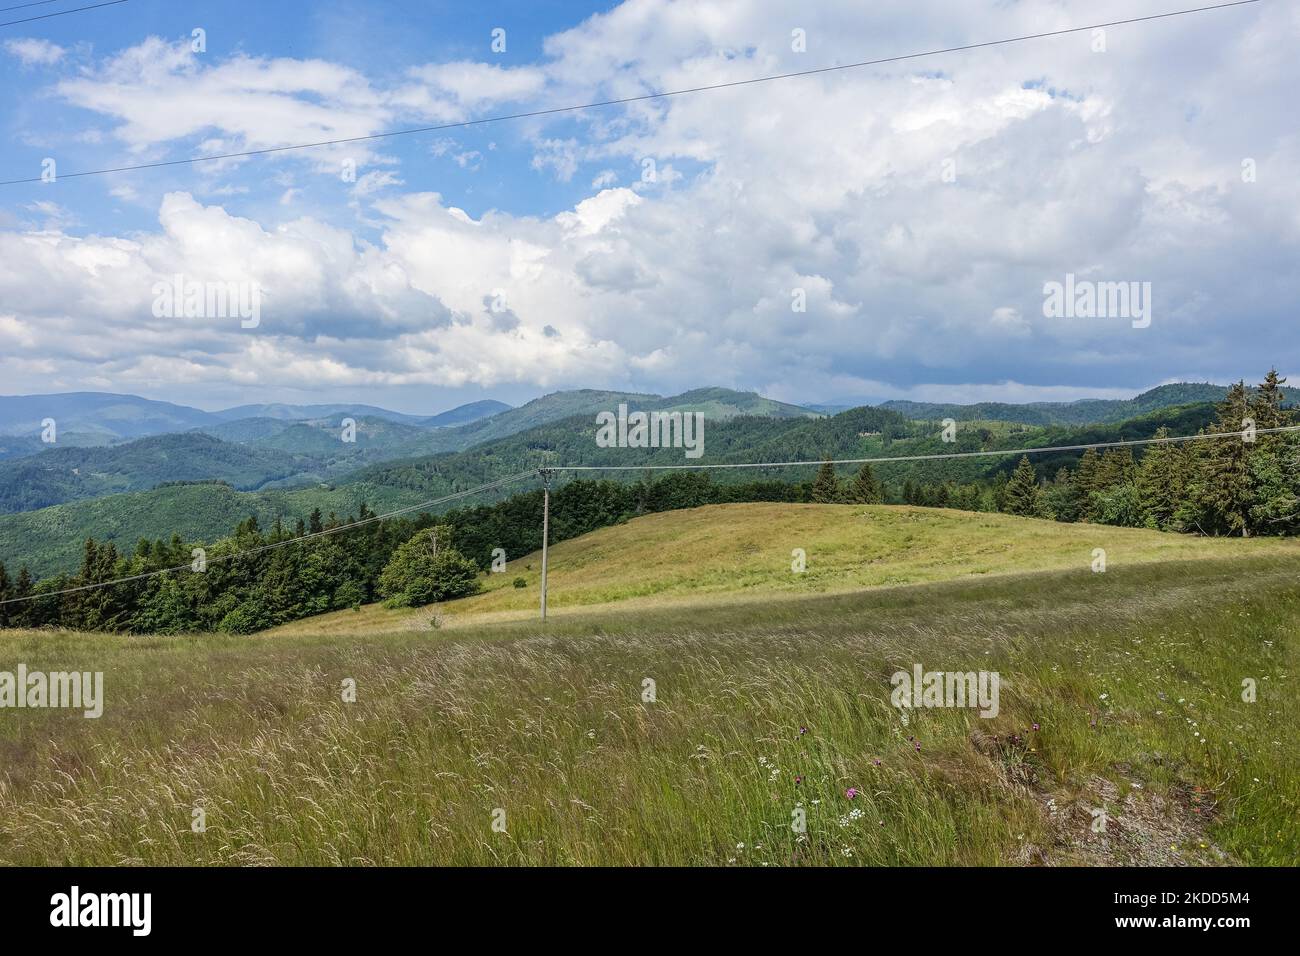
{"points": [[278, 451], [1087, 411], [464, 414], [103, 417], [105, 414]]}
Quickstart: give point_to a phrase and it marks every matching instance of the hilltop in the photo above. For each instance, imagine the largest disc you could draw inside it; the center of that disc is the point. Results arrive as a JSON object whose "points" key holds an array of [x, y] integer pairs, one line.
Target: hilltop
{"points": [[703, 556]]}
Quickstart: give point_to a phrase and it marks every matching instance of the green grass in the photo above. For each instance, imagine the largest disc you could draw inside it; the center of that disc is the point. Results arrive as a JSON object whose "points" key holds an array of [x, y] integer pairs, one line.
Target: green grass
{"points": [[719, 553], [1122, 671]]}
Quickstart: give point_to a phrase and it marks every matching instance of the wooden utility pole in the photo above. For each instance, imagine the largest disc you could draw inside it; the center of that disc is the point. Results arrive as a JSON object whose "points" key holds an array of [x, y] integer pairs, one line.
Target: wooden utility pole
{"points": [[546, 528]]}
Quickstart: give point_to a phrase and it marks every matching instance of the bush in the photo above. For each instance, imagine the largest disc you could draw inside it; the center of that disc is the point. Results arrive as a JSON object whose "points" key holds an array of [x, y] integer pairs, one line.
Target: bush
{"points": [[426, 569], [1120, 505], [520, 583]]}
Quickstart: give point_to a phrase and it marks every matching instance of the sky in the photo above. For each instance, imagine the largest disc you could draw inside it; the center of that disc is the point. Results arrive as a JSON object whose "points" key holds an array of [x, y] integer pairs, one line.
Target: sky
{"points": [[856, 235]]}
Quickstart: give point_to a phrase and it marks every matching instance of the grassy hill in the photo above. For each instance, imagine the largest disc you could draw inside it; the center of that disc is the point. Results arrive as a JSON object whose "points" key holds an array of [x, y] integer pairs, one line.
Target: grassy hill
{"points": [[702, 556], [1119, 691]]}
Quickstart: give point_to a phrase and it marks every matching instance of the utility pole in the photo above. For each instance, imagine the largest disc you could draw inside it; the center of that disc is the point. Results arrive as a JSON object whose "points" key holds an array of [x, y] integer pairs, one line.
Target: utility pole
{"points": [[546, 527]]}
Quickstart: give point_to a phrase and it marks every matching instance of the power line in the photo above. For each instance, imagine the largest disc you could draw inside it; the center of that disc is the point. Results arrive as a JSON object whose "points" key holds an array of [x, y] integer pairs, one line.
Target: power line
{"points": [[24, 6], [1169, 440], [627, 99], [61, 13], [221, 558]]}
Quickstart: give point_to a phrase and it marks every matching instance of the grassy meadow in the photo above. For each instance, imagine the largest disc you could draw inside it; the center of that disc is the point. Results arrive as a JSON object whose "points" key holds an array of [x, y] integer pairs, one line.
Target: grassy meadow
{"points": [[1120, 692], [722, 553]]}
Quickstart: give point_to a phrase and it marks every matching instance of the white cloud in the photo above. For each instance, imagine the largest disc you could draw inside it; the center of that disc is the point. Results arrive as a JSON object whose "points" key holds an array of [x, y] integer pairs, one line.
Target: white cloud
{"points": [[34, 52], [1122, 166]]}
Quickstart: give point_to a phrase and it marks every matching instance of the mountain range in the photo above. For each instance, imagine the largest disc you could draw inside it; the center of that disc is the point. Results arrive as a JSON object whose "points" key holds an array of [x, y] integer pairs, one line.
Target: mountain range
{"points": [[198, 483], [103, 417], [283, 460]]}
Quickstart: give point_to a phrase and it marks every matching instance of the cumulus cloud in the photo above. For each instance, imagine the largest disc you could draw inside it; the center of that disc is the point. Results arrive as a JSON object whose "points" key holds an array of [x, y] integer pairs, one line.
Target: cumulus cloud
{"points": [[915, 209]]}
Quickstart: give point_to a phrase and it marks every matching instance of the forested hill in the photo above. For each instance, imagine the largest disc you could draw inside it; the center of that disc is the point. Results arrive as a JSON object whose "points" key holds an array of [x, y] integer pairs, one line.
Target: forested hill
{"points": [[58, 475], [50, 539], [1086, 411]]}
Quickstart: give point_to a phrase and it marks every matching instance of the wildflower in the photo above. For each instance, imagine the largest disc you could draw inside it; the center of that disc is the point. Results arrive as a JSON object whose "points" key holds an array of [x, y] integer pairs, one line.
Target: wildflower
{"points": [[802, 731], [1035, 725], [798, 779], [876, 761], [918, 746], [851, 792]]}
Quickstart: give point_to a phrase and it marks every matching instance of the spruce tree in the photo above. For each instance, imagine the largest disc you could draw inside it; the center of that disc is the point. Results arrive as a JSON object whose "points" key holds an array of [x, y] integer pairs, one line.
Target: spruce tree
{"points": [[1088, 479], [1160, 481], [826, 487], [1224, 494], [865, 489], [1274, 462], [1022, 496]]}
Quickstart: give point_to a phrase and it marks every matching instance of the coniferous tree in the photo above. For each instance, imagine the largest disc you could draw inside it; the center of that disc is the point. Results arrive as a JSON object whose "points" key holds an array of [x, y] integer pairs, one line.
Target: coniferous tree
{"points": [[866, 489], [1160, 482], [1088, 480], [1221, 494], [1063, 497], [1274, 462], [1022, 496], [1116, 468], [20, 615], [826, 487]]}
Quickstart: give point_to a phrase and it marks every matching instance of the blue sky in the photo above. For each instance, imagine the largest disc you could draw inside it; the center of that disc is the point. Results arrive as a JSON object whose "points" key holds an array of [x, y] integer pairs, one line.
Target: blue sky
{"points": [[916, 210], [377, 40]]}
